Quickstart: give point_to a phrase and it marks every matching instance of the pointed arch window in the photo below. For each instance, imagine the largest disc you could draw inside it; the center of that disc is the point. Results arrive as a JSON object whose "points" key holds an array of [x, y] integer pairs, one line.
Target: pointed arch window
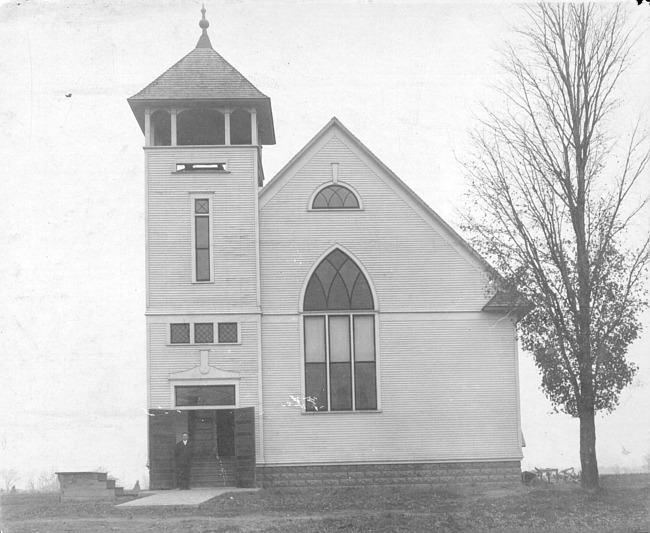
{"points": [[339, 335], [335, 197]]}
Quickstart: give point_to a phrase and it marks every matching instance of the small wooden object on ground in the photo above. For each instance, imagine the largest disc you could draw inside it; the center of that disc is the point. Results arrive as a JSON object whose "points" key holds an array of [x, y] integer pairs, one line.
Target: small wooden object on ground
{"points": [[547, 474]]}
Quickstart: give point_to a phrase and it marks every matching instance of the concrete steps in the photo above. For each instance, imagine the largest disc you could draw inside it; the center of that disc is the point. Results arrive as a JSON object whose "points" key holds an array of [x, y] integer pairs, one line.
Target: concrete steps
{"points": [[214, 473], [87, 486]]}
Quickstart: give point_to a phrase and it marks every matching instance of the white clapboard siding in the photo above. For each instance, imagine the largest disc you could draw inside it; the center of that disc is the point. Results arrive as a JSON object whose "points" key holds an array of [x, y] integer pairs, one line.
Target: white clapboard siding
{"points": [[411, 266], [169, 227], [165, 359], [448, 392], [447, 370]]}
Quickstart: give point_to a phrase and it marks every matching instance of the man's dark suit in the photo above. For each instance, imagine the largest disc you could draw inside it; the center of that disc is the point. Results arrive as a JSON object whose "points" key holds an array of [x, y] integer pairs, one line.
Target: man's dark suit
{"points": [[183, 458]]}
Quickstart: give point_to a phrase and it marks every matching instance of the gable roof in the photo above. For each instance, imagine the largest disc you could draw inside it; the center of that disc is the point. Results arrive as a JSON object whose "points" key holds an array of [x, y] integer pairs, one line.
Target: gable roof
{"points": [[204, 76], [500, 302]]}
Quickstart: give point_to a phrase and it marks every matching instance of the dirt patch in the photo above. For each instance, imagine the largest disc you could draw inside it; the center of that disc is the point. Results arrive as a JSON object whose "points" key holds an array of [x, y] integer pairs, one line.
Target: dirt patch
{"points": [[623, 505]]}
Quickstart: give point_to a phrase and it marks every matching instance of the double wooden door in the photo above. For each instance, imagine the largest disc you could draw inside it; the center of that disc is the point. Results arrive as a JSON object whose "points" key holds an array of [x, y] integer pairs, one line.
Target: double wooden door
{"points": [[223, 445]]}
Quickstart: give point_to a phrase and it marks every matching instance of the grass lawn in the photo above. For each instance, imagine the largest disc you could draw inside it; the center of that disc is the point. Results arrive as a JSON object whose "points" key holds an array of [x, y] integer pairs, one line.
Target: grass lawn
{"points": [[622, 506]]}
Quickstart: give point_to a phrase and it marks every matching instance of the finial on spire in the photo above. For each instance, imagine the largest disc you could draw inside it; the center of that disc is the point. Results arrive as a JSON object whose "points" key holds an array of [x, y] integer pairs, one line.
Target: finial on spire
{"points": [[204, 40], [203, 23]]}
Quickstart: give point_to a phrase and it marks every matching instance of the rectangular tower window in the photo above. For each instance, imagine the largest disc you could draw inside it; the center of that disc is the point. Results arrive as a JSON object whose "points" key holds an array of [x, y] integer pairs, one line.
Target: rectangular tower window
{"points": [[202, 239], [197, 167]]}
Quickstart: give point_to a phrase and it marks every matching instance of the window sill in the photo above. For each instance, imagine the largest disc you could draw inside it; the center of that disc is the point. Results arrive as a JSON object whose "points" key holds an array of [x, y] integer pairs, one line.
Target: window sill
{"points": [[204, 407], [337, 209], [310, 413], [202, 171], [204, 344]]}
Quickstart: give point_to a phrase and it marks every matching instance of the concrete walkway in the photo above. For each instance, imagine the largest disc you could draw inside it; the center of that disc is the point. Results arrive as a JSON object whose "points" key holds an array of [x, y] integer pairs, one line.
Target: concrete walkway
{"points": [[191, 497]]}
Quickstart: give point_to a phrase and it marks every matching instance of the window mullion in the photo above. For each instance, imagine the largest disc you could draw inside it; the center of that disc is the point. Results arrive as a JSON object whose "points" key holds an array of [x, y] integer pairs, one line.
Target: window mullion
{"points": [[327, 362], [352, 360]]}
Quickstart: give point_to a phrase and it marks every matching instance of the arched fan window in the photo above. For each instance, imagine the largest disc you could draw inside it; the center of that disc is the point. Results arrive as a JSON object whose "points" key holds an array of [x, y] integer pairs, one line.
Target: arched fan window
{"points": [[335, 197], [339, 334]]}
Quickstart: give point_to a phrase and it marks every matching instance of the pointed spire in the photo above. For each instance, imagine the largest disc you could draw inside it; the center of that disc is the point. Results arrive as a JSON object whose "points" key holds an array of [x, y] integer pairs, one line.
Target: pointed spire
{"points": [[204, 40]]}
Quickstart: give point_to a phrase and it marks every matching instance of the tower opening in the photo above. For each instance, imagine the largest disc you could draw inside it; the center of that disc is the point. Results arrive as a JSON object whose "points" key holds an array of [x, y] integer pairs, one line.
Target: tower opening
{"points": [[161, 128], [198, 127], [240, 127]]}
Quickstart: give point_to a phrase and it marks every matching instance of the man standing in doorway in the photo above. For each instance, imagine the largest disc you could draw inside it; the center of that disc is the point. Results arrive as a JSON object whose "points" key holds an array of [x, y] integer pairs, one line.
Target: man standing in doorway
{"points": [[183, 458]]}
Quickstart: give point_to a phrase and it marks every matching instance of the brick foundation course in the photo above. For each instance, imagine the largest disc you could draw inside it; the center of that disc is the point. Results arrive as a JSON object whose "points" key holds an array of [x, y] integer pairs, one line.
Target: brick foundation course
{"points": [[359, 475]]}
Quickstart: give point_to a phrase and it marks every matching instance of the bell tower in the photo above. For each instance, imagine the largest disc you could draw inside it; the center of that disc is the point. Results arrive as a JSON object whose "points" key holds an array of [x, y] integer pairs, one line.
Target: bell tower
{"points": [[204, 125]]}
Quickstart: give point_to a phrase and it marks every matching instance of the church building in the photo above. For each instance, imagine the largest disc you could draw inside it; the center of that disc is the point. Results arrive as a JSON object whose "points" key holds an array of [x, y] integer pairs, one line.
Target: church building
{"points": [[324, 328]]}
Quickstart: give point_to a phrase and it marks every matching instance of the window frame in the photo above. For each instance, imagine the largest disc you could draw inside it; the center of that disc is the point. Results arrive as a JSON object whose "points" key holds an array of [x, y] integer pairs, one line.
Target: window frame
{"points": [[203, 383], [310, 206], [189, 333], [218, 335], [193, 216], [327, 316], [215, 332], [194, 327], [374, 311]]}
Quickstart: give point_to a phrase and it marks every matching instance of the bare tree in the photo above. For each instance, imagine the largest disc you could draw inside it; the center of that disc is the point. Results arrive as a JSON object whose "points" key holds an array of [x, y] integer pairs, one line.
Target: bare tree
{"points": [[9, 477], [47, 481], [43, 481], [554, 202]]}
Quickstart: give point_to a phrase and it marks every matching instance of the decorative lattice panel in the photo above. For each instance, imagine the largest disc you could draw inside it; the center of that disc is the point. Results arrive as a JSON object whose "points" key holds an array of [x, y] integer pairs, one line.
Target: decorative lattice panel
{"points": [[227, 332], [180, 333], [203, 333]]}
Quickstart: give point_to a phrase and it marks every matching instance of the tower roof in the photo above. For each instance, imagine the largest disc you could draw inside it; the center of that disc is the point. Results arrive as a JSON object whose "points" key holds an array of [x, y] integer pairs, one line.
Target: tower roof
{"points": [[203, 76]]}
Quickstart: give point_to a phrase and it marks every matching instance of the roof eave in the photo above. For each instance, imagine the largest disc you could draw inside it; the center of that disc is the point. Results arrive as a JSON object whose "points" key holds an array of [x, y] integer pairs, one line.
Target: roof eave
{"points": [[517, 303], [518, 306], [266, 127]]}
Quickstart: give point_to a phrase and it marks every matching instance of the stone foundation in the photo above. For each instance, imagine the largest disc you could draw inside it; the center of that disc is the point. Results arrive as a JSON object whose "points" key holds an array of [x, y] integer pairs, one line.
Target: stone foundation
{"points": [[470, 473]]}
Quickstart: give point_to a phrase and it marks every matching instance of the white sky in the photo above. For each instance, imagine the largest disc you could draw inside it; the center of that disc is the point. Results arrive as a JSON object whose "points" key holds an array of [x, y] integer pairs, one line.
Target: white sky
{"points": [[403, 77]]}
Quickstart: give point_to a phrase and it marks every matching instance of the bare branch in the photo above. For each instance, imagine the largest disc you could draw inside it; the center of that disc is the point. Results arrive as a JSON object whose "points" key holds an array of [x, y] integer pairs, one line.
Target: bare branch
{"points": [[556, 210]]}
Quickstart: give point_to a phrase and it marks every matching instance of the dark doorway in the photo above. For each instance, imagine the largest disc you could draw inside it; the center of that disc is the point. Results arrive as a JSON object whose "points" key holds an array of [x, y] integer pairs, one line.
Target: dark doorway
{"points": [[224, 447], [213, 433], [214, 463], [223, 441]]}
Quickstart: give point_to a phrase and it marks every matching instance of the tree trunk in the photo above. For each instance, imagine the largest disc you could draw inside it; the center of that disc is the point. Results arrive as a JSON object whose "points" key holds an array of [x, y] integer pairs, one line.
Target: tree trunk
{"points": [[588, 461]]}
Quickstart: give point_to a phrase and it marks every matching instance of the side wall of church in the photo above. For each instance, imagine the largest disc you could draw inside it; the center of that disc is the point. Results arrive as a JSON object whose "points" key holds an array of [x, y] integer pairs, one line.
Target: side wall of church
{"points": [[447, 371]]}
